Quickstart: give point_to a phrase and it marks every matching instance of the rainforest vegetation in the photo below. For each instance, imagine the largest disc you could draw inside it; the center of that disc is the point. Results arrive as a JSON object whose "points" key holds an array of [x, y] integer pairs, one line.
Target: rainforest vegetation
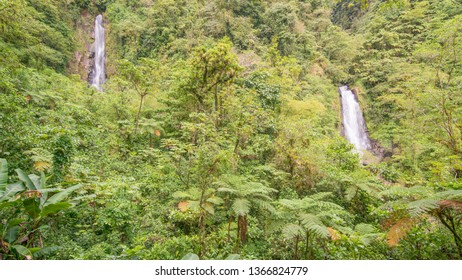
{"points": [[218, 130]]}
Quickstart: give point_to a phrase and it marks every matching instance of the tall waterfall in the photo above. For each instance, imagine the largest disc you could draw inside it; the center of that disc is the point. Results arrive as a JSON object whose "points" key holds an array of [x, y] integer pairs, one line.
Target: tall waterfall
{"points": [[98, 74], [353, 121]]}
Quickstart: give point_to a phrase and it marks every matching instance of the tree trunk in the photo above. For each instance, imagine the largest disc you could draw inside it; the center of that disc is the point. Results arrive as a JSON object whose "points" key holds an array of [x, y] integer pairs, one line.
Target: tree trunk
{"points": [[137, 121], [297, 239], [229, 227], [448, 222], [307, 244], [243, 228]]}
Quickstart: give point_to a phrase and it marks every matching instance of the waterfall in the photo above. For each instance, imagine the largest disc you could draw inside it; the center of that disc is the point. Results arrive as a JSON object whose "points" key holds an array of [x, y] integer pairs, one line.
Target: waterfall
{"points": [[353, 121], [98, 75]]}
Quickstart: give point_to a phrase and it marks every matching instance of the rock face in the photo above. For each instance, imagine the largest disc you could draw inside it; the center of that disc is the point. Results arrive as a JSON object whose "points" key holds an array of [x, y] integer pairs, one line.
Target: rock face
{"points": [[83, 59]]}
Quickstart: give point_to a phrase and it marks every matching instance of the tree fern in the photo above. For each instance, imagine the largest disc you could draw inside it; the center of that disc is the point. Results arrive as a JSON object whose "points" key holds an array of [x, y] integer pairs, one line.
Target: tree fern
{"points": [[313, 224], [314, 214], [419, 202], [419, 207], [244, 195], [241, 206]]}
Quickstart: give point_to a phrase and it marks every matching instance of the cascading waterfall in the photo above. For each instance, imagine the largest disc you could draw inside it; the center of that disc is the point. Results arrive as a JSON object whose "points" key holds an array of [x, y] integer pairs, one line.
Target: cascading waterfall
{"points": [[353, 121], [98, 74]]}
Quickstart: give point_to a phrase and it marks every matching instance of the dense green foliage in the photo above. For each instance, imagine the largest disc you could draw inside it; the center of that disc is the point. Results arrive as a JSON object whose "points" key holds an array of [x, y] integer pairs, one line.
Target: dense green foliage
{"points": [[218, 130]]}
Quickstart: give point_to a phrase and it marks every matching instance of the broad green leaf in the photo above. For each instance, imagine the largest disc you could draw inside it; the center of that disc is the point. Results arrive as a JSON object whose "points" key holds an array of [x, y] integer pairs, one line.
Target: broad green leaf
{"points": [[44, 251], [32, 207], [233, 257], [23, 251], [11, 234], [3, 175], [190, 256], [209, 208], [215, 200], [62, 195], [43, 180], [24, 178], [35, 180], [11, 190], [7, 204], [14, 222], [54, 208]]}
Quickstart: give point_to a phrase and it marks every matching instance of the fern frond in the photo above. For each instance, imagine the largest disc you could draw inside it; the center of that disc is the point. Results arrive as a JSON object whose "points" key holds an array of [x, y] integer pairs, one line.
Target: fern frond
{"points": [[334, 234], [395, 191], [450, 195], [419, 207], [454, 204], [188, 194], [399, 231], [345, 230], [265, 205], [351, 192], [319, 230], [241, 206], [365, 229], [321, 195], [290, 203], [291, 231], [314, 224], [227, 190], [368, 238], [370, 188]]}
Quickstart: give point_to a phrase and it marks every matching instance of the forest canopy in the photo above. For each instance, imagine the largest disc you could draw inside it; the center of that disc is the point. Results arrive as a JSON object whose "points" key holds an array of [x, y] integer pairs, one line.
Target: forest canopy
{"points": [[219, 132]]}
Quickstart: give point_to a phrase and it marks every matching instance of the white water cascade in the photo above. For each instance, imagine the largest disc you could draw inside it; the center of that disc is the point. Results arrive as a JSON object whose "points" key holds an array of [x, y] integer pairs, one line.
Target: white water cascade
{"points": [[98, 74], [353, 121]]}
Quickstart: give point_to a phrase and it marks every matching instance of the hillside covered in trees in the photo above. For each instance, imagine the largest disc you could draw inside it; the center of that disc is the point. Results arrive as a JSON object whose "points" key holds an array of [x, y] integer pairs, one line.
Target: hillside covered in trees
{"points": [[218, 130]]}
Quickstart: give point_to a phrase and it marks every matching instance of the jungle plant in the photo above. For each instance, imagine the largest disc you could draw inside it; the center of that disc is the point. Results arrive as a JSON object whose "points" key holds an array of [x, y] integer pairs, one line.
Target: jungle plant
{"points": [[244, 195], [202, 203], [415, 204], [309, 218], [27, 204]]}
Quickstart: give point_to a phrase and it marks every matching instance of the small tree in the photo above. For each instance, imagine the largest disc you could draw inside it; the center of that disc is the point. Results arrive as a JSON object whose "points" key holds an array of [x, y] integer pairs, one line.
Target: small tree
{"points": [[143, 78]]}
